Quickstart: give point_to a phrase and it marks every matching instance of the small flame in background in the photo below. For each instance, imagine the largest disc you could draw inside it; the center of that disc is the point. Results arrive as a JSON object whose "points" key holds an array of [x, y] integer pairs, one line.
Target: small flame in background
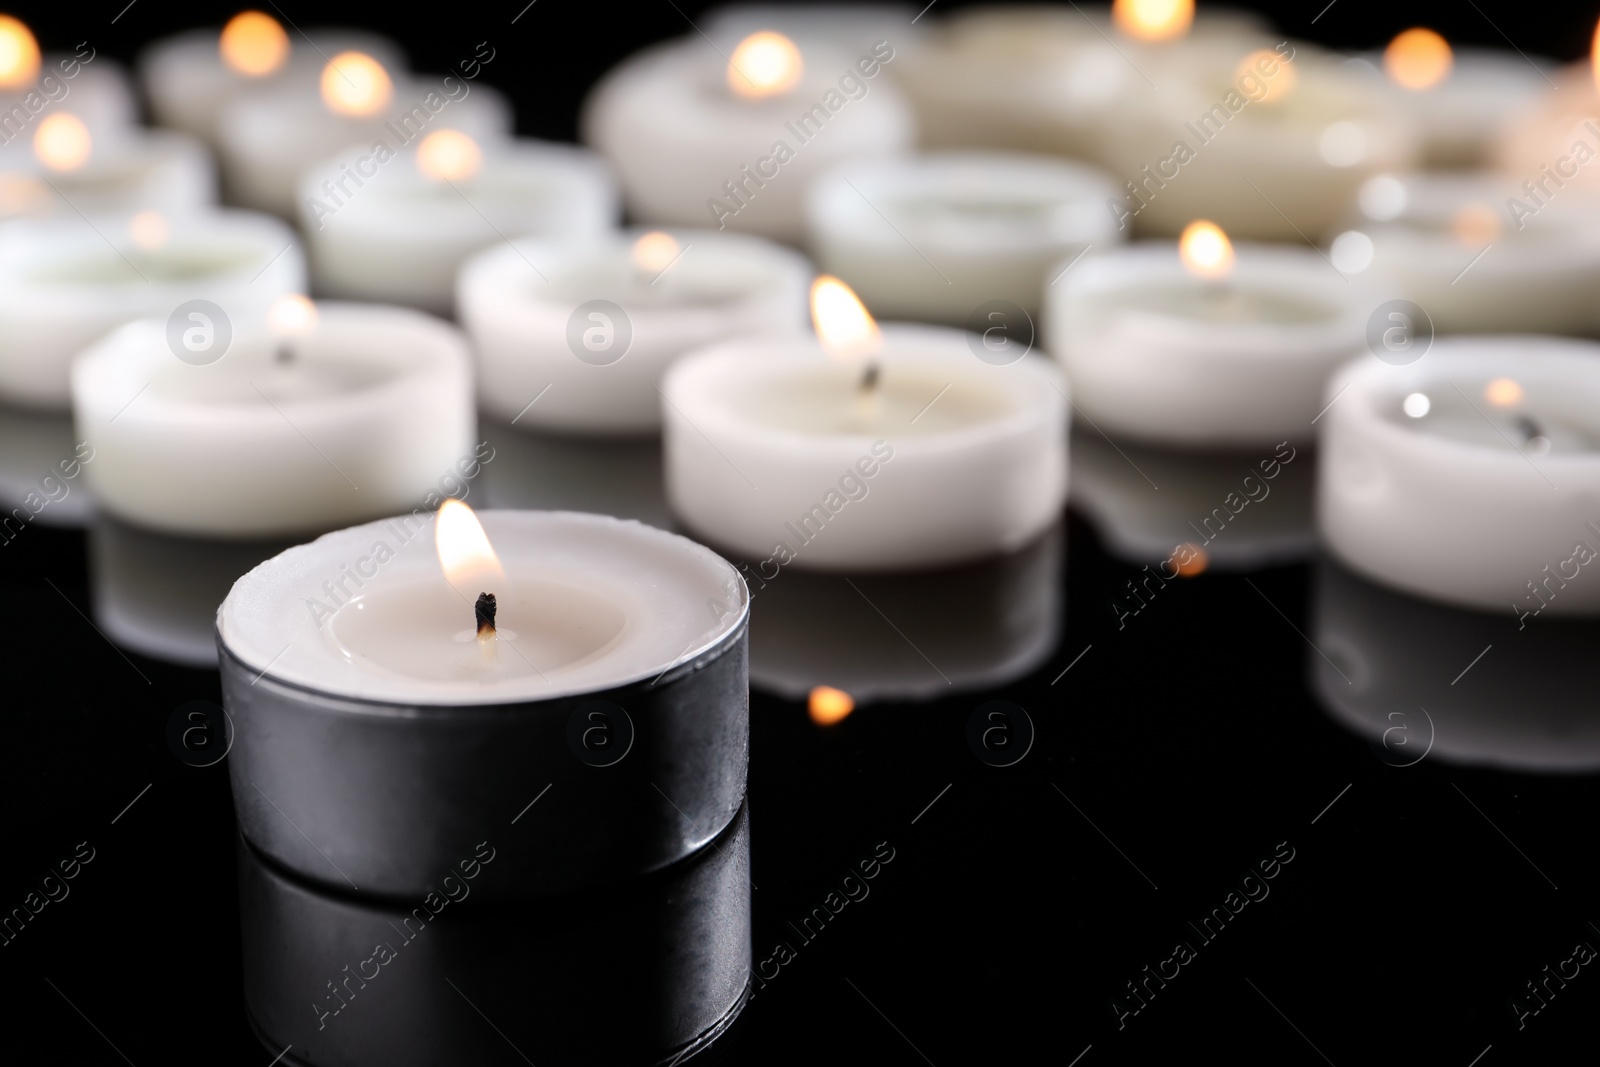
{"points": [[654, 252], [149, 230], [845, 327], [19, 54], [1503, 393], [355, 84], [1153, 20], [1418, 59], [465, 555], [827, 705], [1475, 225], [291, 315], [253, 44], [1194, 560], [449, 156], [62, 142], [1274, 86], [1205, 250], [765, 64]]}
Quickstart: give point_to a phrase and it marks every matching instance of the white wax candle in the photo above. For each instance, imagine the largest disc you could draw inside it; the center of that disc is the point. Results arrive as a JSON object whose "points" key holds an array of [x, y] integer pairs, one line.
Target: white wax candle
{"points": [[776, 451], [1448, 243], [543, 317], [397, 232], [119, 173], [1160, 354], [586, 603], [691, 149], [84, 83], [361, 416], [936, 237], [1470, 476], [65, 282], [190, 79], [268, 139]]}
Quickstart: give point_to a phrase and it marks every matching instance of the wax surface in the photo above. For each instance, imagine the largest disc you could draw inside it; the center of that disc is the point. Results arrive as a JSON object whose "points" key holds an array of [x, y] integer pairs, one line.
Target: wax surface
{"points": [[1208, 302], [825, 401]]}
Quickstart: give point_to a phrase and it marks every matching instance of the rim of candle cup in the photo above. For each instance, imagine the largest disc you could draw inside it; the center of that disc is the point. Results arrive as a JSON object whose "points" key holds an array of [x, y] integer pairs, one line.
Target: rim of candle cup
{"points": [[848, 199], [31, 247], [279, 580], [1486, 357], [1261, 267], [912, 345]]}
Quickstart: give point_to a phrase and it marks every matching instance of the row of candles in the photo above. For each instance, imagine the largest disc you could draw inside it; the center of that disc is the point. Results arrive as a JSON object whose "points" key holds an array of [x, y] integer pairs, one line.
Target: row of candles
{"points": [[217, 401]]}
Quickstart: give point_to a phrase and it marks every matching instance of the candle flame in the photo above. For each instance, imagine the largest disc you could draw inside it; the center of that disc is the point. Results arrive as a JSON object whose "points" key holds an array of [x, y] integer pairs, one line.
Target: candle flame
{"points": [[253, 44], [149, 230], [353, 83], [291, 315], [1475, 225], [465, 555], [1189, 560], [1418, 59], [1205, 250], [449, 156], [765, 64], [62, 142], [654, 252], [19, 54], [1503, 392], [845, 327], [1153, 20], [827, 705], [1274, 87]]}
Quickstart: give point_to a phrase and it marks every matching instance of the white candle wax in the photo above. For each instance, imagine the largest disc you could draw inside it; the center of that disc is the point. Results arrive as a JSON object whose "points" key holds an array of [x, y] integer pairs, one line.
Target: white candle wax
{"points": [[1471, 475], [64, 283], [524, 305], [84, 83], [359, 417], [936, 237], [776, 451], [189, 84], [587, 603], [268, 139], [690, 151], [125, 171], [1447, 242], [1159, 354], [393, 233]]}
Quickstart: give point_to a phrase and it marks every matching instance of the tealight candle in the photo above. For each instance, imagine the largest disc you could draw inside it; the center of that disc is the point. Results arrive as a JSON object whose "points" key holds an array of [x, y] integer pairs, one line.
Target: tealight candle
{"points": [[1198, 344], [268, 139], [1448, 243], [191, 78], [937, 237], [1460, 102], [904, 451], [1471, 476], [73, 172], [849, 28], [596, 322], [697, 138], [63, 284], [397, 233], [340, 413], [393, 701], [32, 86]]}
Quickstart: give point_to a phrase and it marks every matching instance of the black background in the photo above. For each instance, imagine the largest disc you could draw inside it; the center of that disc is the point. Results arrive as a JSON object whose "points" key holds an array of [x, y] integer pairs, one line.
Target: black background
{"points": [[1007, 923]]}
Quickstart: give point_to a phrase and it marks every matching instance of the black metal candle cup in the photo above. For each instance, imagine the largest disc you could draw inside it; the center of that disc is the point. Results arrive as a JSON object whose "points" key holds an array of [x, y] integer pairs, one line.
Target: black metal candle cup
{"points": [[385, 796]]}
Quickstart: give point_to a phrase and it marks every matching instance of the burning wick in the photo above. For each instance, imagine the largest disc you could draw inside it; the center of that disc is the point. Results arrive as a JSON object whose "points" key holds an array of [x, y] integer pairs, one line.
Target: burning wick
{"points": [[290, 318], [484, 610], [870, 376]]}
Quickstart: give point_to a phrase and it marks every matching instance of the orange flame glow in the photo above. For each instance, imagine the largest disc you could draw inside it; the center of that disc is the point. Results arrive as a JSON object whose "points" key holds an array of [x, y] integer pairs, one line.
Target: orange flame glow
{"points": [[827, 705], [765, 64]]}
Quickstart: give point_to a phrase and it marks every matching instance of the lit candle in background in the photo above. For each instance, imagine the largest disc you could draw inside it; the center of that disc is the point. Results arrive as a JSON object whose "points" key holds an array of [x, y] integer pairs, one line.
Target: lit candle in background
{"points": [[1471, 475], [401, 235], [700, 140], [1553, 130], [1204, 343], [574, 336], [34, 85]]}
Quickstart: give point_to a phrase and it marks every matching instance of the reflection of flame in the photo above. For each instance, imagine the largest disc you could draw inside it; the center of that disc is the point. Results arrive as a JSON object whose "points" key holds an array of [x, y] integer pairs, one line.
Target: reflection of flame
{"points": [[1206, 250], [1475, 225], [19, 54], [291, 315], [353, 83], [449, 156], [654, 252], [1502, 392], [465, 555], [1153, 20], [828, 705], [764, 64], [149, 230], [253, 44], [1274, 86], [843, 324], [1189, 560], [1418, 59], [62, 142]]}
